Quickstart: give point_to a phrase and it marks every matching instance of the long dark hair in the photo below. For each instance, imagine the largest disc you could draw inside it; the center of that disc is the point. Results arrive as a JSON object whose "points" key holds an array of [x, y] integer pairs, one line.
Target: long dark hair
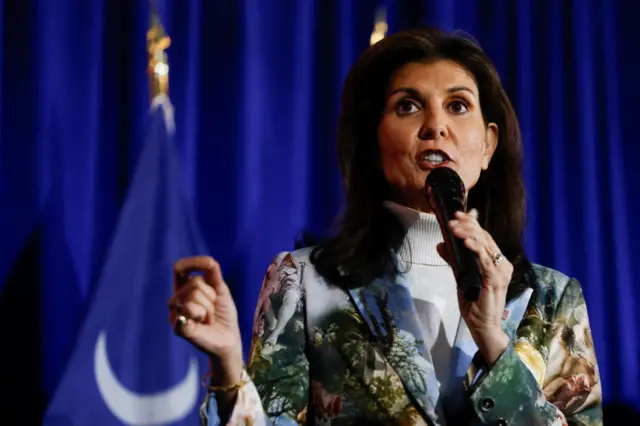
{"points": [[368, 233]]}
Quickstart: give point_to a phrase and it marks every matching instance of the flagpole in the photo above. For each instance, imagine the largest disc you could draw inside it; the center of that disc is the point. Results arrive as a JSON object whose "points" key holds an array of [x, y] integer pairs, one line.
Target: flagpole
{"points": [[380, 26], [157, 42]]}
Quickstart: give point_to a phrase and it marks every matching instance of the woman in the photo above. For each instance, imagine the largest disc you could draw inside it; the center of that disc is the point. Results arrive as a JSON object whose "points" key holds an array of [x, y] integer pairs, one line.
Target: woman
{"points": [[368, 326]]}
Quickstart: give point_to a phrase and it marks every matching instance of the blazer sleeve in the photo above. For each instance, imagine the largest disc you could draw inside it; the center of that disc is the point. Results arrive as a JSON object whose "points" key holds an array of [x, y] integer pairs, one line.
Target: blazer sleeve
{"points": [[277, 369], [564, 391]]}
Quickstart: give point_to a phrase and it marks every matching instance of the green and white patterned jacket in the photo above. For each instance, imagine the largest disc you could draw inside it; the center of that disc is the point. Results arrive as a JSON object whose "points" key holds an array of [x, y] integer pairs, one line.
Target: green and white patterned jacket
{"points": [[323, 355]]}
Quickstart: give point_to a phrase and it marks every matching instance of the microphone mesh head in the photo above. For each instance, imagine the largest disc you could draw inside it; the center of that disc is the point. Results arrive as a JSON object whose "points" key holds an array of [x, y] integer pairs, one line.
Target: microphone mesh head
{"points": [[447, 186]]}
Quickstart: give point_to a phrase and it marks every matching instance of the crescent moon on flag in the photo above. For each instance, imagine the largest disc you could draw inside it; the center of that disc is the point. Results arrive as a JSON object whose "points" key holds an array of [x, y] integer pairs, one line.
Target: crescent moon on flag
{"points": [[137, 409]]}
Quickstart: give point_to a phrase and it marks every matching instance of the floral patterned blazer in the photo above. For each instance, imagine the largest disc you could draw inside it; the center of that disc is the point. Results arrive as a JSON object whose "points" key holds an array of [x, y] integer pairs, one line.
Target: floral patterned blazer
{"points": [[323, 355]]}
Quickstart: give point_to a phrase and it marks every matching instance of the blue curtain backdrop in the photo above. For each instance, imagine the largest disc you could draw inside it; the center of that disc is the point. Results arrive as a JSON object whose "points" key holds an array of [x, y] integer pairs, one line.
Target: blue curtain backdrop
{"points": [[256, 89]]}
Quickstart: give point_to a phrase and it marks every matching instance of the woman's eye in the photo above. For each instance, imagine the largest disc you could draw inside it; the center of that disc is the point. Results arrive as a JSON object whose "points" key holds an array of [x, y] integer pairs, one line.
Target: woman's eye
{"points": [[458, 107], [406, 107]]}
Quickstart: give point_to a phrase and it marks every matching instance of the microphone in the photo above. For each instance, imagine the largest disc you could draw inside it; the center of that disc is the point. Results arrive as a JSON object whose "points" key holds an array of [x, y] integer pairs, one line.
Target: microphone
{"points": [[447, 197]]}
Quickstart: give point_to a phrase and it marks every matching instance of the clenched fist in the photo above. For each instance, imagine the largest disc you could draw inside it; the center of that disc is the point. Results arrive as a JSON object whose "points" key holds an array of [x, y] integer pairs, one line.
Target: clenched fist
{"points": [[203, 312]]}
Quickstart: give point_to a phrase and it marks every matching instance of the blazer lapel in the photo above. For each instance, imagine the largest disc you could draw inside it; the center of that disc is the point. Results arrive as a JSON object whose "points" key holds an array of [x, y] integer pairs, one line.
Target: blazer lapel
{"points": [[388, 310]]}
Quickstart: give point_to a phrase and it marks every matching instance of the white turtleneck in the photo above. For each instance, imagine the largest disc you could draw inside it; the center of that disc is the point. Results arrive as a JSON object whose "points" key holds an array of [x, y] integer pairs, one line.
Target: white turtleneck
{"points": [[432, 285]]}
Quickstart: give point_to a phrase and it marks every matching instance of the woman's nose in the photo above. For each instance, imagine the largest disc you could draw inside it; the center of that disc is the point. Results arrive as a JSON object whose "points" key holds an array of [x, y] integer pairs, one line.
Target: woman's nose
{"points": [[434, 127]]}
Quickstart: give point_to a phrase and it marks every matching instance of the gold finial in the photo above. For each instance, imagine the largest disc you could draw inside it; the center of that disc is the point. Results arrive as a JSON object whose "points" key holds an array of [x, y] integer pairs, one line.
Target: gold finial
{"points": [[380, 26], [157, 42]]}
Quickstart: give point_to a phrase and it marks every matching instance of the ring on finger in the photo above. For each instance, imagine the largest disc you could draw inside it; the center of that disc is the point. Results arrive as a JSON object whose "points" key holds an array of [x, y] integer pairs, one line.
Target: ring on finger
{"points": [[497, 258], [182, 321]]}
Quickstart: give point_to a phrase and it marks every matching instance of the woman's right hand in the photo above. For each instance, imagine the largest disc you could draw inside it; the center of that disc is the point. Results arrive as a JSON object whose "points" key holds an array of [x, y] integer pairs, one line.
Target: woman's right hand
{"points": [[201, 296]]}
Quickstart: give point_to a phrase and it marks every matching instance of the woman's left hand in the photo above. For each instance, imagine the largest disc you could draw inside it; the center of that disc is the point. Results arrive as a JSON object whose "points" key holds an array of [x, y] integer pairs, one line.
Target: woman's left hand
{"points": [[484, 316]]}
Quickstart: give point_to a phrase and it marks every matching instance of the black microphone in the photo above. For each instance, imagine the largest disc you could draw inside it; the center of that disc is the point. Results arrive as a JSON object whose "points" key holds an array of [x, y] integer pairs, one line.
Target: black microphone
{"points": [[447, 193]]}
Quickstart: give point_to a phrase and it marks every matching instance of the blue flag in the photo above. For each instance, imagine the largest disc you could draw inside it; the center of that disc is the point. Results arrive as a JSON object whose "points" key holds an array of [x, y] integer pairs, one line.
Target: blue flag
{"points": [[128, 368]]}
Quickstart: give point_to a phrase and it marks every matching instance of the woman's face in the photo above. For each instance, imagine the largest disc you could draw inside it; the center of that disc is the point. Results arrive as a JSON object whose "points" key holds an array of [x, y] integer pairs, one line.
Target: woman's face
{"points": [[432, 118]]}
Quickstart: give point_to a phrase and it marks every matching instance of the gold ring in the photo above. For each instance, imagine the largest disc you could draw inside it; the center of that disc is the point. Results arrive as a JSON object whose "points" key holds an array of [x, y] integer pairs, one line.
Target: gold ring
{"points": [[182, 321]]}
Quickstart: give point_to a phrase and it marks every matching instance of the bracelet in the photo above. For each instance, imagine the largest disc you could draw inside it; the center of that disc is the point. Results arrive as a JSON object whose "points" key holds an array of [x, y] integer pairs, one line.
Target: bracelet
{"points": [[244, 379]]}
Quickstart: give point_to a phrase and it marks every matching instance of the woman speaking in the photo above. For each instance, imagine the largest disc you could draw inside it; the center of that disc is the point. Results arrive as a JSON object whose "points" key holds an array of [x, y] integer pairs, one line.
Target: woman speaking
{"points": [[370, 327]]}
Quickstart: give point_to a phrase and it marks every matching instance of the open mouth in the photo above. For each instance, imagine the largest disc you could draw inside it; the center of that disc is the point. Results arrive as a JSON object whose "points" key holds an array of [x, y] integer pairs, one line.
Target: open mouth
{"points": [[433, 158]]}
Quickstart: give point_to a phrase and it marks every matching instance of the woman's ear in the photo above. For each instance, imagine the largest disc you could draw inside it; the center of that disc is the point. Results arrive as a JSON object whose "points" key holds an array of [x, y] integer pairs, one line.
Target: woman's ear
{"points": [[490, 144]]}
